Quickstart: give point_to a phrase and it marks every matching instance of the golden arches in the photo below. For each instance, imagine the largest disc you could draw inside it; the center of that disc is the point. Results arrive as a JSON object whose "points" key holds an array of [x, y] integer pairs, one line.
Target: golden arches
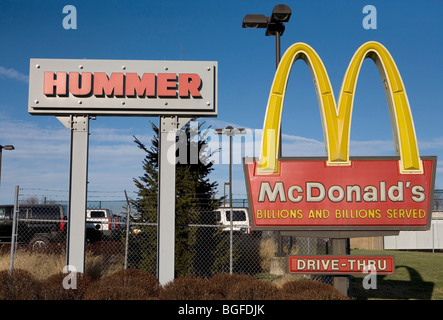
{"points": [[336, 120]]}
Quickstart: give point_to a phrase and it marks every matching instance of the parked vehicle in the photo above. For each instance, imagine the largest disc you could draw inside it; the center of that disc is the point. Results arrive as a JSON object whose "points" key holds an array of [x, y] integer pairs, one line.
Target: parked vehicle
{"points": [[240, 219], [103, 221], [39, 225]]}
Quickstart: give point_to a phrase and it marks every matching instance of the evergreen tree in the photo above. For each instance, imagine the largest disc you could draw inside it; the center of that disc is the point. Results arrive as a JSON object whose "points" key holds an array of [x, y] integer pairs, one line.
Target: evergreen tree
{"points": [[195, 203]]}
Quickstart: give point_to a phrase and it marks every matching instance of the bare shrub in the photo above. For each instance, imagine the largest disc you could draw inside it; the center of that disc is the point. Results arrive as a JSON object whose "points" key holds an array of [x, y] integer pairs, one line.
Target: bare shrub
{"points": [[52, 288], [267, 251], [43, 265], [254, 290], [143, 284], [280, 280], [185, 288], [40, 265], [310, 290], [21, 285], [116, 293], [220, 285]]}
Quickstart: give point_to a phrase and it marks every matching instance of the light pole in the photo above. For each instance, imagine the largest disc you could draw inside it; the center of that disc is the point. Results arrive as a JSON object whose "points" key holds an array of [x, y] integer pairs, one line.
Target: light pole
{"points": [[230, 132], [224, 193], [274, 24], [274, 27], [6, 147]]}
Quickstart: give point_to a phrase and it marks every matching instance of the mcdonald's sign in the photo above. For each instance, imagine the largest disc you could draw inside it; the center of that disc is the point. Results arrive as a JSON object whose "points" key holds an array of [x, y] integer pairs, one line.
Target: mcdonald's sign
{"points": [[339, 192]]}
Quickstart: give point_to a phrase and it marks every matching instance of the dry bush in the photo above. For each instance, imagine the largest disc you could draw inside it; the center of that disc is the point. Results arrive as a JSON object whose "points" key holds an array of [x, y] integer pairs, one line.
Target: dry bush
{"points": [[254, 290], [40, 265], [310, 290], [116, 293], [142, 284], [52, 288], [220, 285], [43, 265], [281, 280], [97, 266], [185, 288], [21, 285], [267, 251]]}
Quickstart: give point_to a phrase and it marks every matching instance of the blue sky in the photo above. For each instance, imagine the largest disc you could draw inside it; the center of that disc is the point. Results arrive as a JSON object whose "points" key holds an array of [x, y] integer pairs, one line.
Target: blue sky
{"points": [[211, 30]]}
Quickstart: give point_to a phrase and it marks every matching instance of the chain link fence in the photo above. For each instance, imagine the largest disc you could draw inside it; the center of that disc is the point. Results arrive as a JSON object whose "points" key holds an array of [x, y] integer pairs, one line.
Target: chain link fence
{"points": [[119, 237], [438, 200]]}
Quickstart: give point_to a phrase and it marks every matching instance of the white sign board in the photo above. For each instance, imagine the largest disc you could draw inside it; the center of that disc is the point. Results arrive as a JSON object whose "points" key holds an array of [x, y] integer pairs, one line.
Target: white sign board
{"points": [[122, 87]]}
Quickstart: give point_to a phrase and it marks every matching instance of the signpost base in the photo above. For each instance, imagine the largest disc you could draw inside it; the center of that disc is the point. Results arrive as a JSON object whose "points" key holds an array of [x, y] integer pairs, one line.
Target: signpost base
{"points": [[79, 127], [341, 283], [277, 265], [166, 197]]}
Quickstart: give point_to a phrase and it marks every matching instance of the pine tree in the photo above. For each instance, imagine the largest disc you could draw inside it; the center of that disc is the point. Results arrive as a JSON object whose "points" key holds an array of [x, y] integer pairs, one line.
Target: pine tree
{"points": [[195, 200]]}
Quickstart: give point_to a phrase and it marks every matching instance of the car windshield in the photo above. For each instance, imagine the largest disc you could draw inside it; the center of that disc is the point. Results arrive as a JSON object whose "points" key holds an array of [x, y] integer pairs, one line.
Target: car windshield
{"points": [[98, 214], [238, 215]]}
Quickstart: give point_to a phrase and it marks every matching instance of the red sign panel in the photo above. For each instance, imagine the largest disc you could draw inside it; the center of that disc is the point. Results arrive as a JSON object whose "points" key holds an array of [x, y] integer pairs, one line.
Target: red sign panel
{"points": [[369, 194], [341, 264]]}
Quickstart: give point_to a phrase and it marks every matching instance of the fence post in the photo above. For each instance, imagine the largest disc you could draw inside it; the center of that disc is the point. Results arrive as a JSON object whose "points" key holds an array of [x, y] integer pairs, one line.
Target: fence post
{"points": [[432, 235], [128, 215], [14, 230]]}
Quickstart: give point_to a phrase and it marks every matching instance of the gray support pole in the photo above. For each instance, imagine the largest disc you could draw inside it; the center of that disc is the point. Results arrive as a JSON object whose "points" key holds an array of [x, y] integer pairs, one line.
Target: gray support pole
{"points": [[0, 163], [341, 283], [166, 201], [14, 230], [230, 206], [78, 193], [280, 252], [128, 217]]}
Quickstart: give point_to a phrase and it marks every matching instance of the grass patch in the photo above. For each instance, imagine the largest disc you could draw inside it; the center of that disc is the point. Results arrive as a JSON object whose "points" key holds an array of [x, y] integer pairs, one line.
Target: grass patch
{"points": [[43, 265], [418, 276]]}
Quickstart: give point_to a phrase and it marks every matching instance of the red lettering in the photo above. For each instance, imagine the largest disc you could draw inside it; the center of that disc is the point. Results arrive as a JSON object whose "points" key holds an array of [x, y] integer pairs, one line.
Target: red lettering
{"points": [[57, 85], [163, 85], [189, 83], [167, 85], [112, 86], [80, 84], [137, 87]]}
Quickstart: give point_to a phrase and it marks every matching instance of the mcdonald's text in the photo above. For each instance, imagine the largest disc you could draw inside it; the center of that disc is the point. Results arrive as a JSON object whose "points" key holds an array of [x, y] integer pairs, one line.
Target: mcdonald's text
{"points": [[367, 193], [316, 192]]}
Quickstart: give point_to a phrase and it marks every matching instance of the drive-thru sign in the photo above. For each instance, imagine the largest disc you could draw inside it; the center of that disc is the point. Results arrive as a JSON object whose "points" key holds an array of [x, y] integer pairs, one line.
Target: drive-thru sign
{"points": [[339, 196], [75, 90]]}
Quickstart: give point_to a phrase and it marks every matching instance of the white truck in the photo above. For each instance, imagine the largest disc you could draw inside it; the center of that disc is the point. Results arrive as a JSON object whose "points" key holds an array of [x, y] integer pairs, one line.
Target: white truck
{"points": [[102, 219], [240, 219]]}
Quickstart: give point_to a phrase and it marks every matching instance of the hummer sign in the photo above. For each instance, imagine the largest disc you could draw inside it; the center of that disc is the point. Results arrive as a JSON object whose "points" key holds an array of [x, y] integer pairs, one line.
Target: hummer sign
{"points": [[122, 87]]}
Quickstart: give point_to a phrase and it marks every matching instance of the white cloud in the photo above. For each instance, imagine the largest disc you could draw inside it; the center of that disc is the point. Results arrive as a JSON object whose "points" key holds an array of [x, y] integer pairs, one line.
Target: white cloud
{"points": [[13, 74], [40, 161]]}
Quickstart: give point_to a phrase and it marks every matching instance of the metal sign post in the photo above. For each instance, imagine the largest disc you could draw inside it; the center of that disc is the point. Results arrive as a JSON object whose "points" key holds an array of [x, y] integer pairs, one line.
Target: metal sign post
{"points": [[166, 204], [341, 283], [78, 190], [168, 127], [74, 89]]}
